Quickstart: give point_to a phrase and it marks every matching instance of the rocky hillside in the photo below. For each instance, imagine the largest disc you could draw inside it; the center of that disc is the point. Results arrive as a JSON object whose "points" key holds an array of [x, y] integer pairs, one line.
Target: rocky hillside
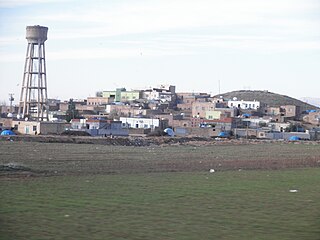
{"points": [[269, 98]]}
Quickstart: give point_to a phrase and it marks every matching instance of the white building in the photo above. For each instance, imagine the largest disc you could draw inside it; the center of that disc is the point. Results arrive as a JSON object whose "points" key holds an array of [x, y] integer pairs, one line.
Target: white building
{"points": [[164, 93], [140, 122], [244, 104]]}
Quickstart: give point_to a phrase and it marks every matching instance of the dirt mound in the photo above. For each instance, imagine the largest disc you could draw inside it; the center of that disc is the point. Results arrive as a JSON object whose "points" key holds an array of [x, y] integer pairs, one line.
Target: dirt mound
{"points": [[12, 167], [75, 133]]}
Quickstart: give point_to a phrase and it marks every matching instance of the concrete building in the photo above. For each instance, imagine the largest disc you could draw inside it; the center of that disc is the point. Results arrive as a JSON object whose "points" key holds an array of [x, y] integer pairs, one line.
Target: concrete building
{"points": [[122, 95], [98, 101], [290, 110], [163, 93], [5, 123], [8, 110], [312, 118], [131, 122], [209, 110], [199, 109], [196, 132], [99, 127], [42, 127], [224, 124], [285, 111], [274, 111], [255, 105]]}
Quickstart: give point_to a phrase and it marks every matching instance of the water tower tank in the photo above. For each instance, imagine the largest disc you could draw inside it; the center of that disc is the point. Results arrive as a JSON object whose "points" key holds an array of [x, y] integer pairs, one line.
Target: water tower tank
{"points": [[36, 34]]}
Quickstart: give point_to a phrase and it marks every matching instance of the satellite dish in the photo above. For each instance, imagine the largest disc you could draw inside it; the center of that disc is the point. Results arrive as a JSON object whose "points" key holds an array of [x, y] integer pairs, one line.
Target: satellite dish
{"points": [[235, 99], [9, 115]]}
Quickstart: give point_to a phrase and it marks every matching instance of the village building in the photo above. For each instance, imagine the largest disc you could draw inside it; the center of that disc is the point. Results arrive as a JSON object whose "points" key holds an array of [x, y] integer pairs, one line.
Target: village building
{"points": [[313, 118], [255, 105], [98, 101], [162, 93], [121, 95], [144, 123], [39, 127], [99, 127]]}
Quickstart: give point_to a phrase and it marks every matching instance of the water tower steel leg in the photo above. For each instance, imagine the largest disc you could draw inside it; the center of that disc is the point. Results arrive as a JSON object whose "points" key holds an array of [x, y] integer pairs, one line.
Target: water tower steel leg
{"points": [[29, 81], [23, 88], [39, 110]]}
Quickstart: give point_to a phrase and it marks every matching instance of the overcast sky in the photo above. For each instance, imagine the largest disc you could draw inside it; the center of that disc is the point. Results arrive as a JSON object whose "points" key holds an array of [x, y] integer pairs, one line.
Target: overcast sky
{"points": [[101, 45]]}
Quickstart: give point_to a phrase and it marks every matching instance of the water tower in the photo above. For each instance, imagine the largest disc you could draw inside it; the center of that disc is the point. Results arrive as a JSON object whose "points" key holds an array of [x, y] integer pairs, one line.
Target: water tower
{"points": [[33, 98]]}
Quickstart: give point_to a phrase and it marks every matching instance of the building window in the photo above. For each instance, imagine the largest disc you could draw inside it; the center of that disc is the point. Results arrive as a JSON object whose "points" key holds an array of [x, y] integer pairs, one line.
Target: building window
{"points": [[34, 128]]}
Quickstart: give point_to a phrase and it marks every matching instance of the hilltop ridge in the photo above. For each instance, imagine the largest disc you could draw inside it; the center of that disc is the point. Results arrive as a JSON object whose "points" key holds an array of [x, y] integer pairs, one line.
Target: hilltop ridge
{"points": [[266, 97]]}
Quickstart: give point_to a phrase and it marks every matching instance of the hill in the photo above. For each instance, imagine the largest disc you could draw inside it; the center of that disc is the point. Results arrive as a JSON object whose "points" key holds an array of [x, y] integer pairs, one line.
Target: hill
{"points": [[312, 101], [266, 97]]}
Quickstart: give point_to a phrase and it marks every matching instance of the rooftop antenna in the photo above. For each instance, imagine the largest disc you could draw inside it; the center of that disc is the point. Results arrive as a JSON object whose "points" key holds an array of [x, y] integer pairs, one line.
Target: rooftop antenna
{"points": [[219, 86], [33, 98]]}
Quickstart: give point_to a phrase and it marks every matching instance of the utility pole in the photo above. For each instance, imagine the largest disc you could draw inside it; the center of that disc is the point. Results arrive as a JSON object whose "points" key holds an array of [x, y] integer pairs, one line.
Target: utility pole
{"points": [[11, 99]]}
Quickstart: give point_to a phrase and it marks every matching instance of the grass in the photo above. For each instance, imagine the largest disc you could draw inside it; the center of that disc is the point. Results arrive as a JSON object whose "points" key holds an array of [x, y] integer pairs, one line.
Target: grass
{"points": [[197, 205]]}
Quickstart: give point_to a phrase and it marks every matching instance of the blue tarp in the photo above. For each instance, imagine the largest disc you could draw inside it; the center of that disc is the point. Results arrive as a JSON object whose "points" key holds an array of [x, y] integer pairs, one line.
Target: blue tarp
{"points": [[169, 131], [294, 138], [223, 134], [311, 111], [7, 132], [246, 115]]}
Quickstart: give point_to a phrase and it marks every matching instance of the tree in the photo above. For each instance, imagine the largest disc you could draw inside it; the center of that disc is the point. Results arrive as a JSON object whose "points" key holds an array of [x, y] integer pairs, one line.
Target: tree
{"points": [[72, 112], [262, 124], [114, 114], [291, 128]]}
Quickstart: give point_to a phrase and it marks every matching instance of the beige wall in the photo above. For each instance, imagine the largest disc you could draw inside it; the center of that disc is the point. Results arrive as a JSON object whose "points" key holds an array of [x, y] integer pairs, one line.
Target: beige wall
{"points": [[47, 128], [313, 118], [213, 114], [26, 127], [181, 123], [5, 123], [290, 110], [97, 100], [44, 128], [200, 108]]}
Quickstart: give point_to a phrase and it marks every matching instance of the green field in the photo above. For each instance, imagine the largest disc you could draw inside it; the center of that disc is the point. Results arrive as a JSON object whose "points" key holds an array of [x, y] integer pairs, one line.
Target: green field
{"points": [[64, 203]]}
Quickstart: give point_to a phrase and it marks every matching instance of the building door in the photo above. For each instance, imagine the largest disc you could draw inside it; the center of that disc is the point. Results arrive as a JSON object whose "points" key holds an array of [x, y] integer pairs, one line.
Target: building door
{"points": [[27, 129]]}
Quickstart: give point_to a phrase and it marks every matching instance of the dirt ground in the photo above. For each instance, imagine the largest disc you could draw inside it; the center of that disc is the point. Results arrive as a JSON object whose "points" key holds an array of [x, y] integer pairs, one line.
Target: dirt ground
{"points": [[50, 156]]}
